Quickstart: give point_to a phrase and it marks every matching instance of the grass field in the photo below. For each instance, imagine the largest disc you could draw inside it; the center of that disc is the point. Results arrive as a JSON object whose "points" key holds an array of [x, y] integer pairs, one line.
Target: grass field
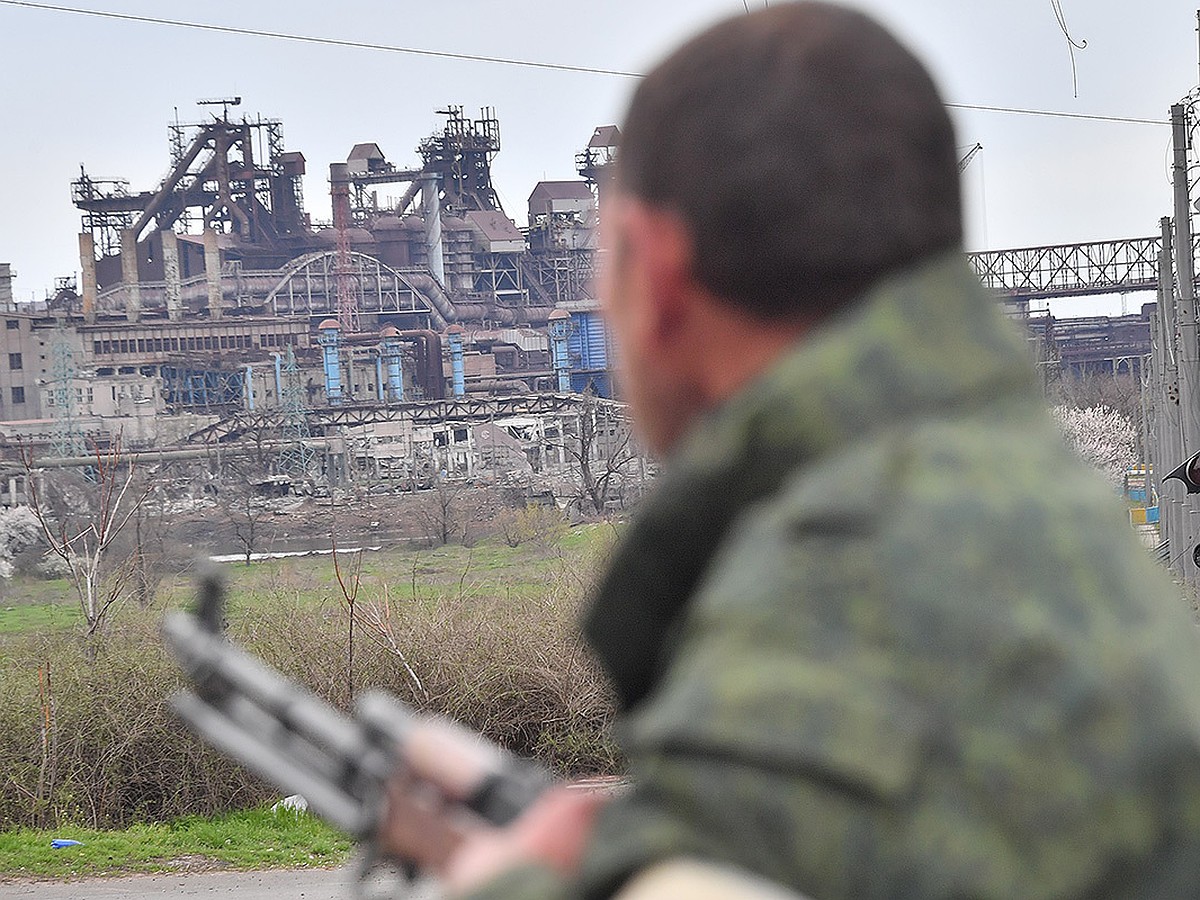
{"points": [[484, 634], [252, 839], [29, 605]]}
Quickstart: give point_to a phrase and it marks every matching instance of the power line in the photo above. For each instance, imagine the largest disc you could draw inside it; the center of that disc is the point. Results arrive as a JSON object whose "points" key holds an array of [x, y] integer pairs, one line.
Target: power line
{"points": [[1047, 113], [498, 60], [312, 39]]}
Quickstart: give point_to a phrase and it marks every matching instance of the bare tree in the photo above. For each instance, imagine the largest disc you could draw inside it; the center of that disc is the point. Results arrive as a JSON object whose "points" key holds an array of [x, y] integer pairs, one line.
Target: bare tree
{"points": [[82, 520], [239, 506], [348, 585], [378, 616], [441, 515], [603, 453]]}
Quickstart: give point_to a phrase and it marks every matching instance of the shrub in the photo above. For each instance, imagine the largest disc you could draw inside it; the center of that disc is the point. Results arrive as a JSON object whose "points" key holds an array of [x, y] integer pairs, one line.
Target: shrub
{"points": [[543, 525], [86, 735]]}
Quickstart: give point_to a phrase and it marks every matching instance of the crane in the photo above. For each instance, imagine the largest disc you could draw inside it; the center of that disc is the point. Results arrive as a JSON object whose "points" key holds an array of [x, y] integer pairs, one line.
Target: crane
{"points": [[966, 160]]}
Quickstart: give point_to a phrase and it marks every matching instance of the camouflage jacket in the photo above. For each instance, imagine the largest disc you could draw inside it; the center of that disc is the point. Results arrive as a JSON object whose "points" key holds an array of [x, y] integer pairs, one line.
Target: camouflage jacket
{"points": [[879, 634]]}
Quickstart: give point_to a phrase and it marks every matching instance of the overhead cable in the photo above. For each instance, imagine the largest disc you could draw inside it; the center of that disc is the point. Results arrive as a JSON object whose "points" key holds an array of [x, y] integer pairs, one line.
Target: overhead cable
{"points": [[1072, 44], [313, 39], [1048, 113], [498, 60]]}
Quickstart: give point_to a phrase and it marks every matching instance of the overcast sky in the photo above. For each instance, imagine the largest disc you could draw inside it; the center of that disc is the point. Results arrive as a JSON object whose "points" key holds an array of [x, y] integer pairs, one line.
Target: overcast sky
{"points": [[81, 90]]}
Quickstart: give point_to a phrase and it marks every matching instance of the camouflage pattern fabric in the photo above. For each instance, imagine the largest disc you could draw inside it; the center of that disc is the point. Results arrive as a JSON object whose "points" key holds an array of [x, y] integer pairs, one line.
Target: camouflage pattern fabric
{"points": [[879, 634]]}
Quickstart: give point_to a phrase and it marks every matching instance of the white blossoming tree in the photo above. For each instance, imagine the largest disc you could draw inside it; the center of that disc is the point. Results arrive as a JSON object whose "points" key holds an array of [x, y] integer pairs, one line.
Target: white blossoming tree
{"points": [[1104, 437]]}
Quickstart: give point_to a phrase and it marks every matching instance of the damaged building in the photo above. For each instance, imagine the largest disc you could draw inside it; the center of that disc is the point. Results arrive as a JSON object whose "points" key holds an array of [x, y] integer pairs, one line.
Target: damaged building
{"points": [[215, 295]]}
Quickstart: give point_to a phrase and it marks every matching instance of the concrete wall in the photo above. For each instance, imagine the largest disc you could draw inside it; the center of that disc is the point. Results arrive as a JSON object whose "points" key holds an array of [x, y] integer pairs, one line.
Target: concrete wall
{"points": [[22, 363]]}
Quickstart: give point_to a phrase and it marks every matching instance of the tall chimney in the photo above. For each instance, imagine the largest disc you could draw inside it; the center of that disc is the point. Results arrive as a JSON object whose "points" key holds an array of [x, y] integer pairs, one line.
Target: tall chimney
{"points": [[129, 275], [6, 280], [87, 266], [170, 254], [432, 210], [212, 272]]}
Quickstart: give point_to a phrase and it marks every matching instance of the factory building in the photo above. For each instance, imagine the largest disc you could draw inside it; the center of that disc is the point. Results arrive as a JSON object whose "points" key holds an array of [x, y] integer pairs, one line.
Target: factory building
{"points": [[215, 293]]}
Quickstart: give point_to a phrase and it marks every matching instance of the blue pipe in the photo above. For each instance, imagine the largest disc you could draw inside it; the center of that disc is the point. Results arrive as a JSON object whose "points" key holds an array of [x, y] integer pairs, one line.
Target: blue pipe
{"points": [[559, 330], [379, 378], [328, 340], [278, 380], [456, 362], [395, 376]]}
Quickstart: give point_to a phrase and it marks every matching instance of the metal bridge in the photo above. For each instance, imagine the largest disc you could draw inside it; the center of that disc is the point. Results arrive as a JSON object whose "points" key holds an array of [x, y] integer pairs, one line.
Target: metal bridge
{"points": [[1071, 270]]}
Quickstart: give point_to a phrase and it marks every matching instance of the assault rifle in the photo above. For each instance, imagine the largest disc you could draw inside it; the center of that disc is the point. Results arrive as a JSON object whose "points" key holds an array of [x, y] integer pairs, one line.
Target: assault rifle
{"points": [[293, 739]]}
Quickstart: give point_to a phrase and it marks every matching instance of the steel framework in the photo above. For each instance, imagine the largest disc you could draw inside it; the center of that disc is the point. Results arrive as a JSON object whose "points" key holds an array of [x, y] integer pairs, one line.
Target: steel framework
{"points": [[1071, 270], [298, 459], [309, 286], [67, 438], [462, 156], [429, 412]]}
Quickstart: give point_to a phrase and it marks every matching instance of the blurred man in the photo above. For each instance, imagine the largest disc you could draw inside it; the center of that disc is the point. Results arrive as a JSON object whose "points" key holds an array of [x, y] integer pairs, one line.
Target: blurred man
{"points": [[876, 633]]}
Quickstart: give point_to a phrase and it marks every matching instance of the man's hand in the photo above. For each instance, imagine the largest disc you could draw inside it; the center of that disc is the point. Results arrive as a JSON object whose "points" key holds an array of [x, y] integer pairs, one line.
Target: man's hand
{"points": [[426, 823], [553, 833]]}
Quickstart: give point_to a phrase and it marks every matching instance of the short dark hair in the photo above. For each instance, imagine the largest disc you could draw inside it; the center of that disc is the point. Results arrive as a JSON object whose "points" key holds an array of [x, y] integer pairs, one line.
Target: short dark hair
{"points": [[807, 150]]}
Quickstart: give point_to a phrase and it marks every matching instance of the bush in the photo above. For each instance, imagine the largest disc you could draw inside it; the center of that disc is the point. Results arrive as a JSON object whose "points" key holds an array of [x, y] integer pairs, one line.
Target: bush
{"points": [[543, 525], [86, 735]]}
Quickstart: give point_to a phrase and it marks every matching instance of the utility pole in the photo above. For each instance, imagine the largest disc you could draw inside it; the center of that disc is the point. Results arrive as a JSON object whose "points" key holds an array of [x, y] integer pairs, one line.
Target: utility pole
{"points": [[1189, 346], [1168, 436]]}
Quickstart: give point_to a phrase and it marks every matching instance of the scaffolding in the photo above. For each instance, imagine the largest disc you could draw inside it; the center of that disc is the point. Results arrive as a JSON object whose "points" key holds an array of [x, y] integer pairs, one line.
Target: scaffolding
{"points": [[108, 209], [462, 158]]}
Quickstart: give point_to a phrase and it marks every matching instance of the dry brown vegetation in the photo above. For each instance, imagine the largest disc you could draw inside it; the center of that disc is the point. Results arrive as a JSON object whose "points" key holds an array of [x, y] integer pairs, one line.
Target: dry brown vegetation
{"points": [[485, 635]]}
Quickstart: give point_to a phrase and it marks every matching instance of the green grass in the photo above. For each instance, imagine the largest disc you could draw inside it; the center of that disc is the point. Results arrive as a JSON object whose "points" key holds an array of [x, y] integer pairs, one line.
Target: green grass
{"points": [[254, 839], [489, 567], [490, 631], [38, 617], [29, 605]]}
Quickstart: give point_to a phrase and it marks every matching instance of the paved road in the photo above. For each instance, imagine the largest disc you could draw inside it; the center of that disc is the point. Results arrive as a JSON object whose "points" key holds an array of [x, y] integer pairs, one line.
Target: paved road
{"points": [[309, 884]]}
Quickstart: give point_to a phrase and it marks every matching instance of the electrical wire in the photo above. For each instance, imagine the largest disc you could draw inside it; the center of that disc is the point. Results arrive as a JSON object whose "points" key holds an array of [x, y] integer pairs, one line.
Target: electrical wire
{"points": [[312, 39], [498, 60], [1072, 44], [1047, 113]]}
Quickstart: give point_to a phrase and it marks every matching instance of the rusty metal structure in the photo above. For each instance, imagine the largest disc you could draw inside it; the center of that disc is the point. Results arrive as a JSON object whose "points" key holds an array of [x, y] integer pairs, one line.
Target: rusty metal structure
{"points": [[192, 292], [1071, 270], [199, 286], [1112, 344]]}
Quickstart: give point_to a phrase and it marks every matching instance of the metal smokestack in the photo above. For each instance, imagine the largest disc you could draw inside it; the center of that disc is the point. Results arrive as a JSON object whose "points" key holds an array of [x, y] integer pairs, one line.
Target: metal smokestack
{"points": [[431, 204]]}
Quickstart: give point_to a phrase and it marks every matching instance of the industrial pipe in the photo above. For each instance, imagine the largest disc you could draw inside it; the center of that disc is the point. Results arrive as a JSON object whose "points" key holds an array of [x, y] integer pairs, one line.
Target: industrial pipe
{"points": [[391, 355], [454, 336], [328, 340], [560, 328]]}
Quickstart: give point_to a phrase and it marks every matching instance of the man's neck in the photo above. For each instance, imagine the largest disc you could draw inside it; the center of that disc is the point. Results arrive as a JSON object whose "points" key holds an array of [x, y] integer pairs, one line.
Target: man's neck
{"points": [[734, 349]]}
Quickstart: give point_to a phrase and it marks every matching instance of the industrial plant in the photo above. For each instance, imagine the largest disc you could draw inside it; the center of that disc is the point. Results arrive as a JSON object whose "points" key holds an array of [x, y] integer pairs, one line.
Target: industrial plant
{"points": [[212, 307], [419, 333]]}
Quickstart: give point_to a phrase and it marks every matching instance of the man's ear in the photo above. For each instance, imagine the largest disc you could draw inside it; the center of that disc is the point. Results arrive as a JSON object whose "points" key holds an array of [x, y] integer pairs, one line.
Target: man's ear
{"points": [[662, 246]]}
